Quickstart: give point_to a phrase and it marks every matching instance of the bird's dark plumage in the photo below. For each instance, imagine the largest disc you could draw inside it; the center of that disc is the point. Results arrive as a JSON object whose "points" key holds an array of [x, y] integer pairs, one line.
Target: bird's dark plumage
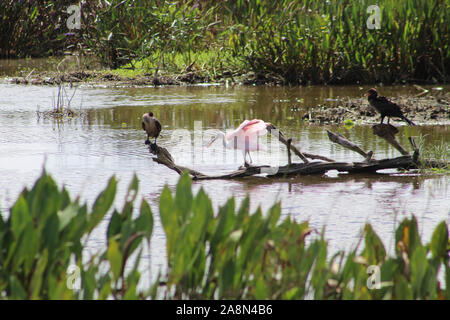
{"points": [[151, 125], [385, 107]]}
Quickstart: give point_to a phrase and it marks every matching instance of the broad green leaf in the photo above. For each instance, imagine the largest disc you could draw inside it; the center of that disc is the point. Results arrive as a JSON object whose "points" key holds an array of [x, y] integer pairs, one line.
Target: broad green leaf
{"points": [[115, 258], [51, 235], [419, 266], [261, 291], [183, 198], [38, 275], [102, 204], [17, 290], [20, 216], [114, 226], [374, 250], [67, 214], [144, 222], [408, 234], [440, 241], [402, 289], [169, 219]]}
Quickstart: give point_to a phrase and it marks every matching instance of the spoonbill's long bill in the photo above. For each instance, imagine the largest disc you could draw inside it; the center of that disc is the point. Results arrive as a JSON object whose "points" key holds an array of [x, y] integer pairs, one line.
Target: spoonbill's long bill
{"points": [[244, 138], [151, 125]]}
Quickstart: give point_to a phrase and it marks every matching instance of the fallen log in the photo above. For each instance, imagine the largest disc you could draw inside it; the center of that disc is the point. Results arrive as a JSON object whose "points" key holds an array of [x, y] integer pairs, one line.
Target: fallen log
{"points": [[369, 165], [318, 167]]}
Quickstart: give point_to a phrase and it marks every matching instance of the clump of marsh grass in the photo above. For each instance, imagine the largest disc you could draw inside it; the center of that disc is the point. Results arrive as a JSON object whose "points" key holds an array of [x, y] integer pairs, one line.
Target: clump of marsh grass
{"points": [[435, 157], [61, 108]]}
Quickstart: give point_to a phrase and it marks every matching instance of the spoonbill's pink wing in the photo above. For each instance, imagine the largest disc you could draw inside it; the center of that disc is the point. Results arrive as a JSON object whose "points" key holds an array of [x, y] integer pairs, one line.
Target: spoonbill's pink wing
{"points": [[248, 128], [236, 132], [255, 127]]}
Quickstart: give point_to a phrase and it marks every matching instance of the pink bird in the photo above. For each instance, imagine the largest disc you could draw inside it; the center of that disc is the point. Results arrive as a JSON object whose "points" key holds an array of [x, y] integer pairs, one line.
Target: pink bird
{"points": [[244, 138]]}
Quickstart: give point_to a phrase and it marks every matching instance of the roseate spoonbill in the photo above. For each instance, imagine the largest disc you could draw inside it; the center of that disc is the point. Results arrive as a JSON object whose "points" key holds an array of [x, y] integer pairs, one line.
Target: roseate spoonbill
{"points": [[151, 125], [244, 138], [385, 107]]}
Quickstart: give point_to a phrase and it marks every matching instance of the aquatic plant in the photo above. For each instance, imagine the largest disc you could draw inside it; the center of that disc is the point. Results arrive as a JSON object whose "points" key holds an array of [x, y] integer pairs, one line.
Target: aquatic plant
{"points": [[288, 41], [61, 108], [230, 254], [310, 41], [43, 238], [437, 153]]}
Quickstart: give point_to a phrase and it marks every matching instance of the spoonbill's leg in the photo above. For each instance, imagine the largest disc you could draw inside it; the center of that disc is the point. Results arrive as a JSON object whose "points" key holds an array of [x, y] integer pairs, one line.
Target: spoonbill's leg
{"points": [[244, 153], [248, 152]]}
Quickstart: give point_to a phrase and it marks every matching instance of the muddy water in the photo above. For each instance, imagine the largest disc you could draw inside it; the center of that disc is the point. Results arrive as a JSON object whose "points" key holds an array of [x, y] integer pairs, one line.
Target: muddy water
{"points": [[106, 138]]}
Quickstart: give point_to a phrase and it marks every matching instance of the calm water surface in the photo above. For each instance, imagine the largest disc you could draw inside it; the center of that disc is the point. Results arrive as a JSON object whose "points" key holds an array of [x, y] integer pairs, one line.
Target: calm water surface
{"points": [[107, 139]]}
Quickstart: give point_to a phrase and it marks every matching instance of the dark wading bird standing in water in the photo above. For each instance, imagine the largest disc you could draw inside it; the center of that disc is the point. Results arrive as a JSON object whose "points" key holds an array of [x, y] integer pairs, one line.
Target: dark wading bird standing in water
{"points": [[151, 125], [385, 107]]}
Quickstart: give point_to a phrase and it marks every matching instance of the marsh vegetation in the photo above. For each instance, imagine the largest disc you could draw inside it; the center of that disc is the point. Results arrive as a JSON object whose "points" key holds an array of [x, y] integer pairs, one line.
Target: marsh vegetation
{"points": [[228, 254], [289, 41]]}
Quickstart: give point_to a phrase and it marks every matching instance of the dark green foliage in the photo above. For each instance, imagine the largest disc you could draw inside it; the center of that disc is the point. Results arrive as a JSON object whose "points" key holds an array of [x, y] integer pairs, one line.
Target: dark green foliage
{"points": [[234, 254], [44, 235], [238, 255], [33, 28], [291, 41]]}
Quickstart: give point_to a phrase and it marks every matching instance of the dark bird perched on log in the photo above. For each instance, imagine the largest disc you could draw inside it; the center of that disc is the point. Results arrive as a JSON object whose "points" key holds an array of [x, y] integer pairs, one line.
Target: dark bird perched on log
{"points": [[385, 107], [151, 125]]}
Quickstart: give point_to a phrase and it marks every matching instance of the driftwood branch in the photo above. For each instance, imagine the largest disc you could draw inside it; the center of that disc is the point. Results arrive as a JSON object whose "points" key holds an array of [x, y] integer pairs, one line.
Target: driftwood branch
{"points": [[369, 165], [275, 132], [317, 157], [165, 158], [301, 155], [404, 162], [341, 140]]}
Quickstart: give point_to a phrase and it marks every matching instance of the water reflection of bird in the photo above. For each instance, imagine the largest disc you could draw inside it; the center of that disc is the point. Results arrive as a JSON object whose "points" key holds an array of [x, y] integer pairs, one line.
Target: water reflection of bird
{"points": [[244, 138], [385, 107], [151, 125]]}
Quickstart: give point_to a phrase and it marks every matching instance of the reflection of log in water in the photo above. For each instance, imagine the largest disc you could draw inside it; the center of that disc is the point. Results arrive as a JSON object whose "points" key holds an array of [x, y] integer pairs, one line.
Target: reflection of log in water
{"points": [[369, 165]]}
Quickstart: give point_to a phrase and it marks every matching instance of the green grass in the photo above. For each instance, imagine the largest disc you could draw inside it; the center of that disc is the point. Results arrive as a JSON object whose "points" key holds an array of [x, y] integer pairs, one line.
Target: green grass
{"points": [[439, 152], [212, 63], [126, 72]]}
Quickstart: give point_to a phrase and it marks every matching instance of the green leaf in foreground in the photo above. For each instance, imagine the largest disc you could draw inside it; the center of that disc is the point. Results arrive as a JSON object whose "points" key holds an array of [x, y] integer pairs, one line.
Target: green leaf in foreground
{"points": [[440, 241], [115, 258], [102, 204]]}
